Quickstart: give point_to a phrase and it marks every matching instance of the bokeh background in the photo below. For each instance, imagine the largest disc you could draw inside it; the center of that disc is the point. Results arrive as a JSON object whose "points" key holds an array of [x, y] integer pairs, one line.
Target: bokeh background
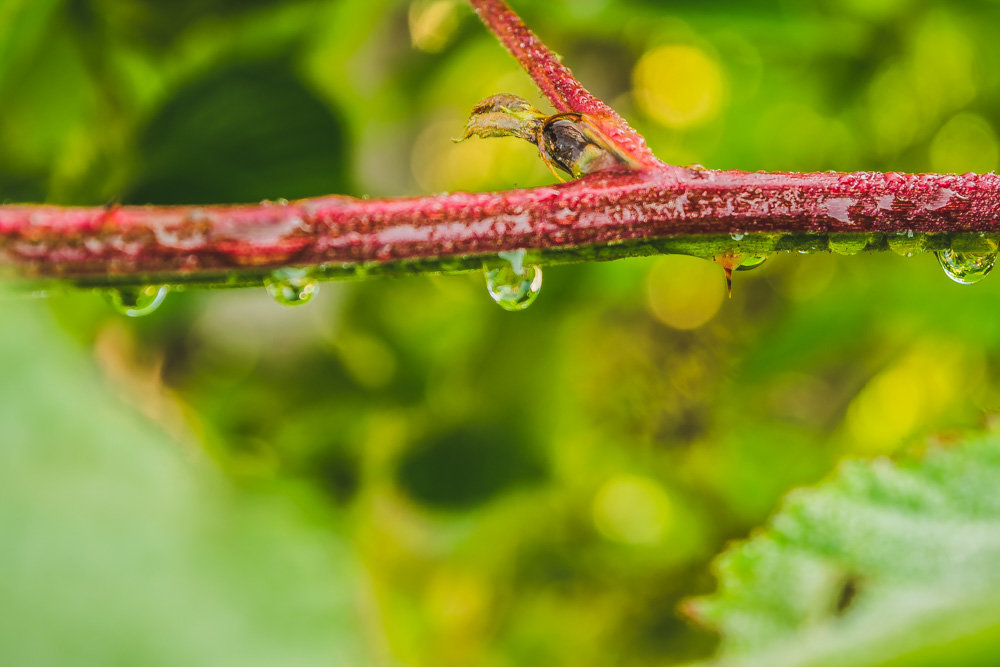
{"points": [[399, 472]]}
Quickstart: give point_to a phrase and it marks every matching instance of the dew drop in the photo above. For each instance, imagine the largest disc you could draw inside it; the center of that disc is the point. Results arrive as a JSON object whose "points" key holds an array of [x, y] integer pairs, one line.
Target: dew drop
{"points": [[290, 287], [738, 236], [966, 268], [906, 243], [848, 243], [749, 263], [137, 301], [514, 286], [839, 208], [737, 262]]}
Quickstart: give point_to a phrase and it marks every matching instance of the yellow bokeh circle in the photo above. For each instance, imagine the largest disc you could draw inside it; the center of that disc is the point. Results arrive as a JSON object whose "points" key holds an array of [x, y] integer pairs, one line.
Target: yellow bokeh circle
{"points": [[678, 85], [633, 510], [685, 292]]}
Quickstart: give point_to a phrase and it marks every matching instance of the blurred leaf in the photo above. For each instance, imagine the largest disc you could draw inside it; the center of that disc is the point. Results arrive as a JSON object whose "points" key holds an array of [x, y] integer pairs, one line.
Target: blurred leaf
{"points": [[468, 466], [240, 134], [47, 113], [22, 25], [160, 23], [119, 547], [884, 565]]}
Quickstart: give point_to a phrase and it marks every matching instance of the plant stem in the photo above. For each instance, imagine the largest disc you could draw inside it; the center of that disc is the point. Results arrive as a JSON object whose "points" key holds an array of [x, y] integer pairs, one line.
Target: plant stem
{"points": [[556, 82], [604, 215]]}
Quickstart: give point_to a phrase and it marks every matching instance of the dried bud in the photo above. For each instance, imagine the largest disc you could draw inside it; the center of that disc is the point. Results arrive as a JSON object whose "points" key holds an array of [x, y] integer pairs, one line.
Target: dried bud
{"points": [[505, 116], [567, 141]]}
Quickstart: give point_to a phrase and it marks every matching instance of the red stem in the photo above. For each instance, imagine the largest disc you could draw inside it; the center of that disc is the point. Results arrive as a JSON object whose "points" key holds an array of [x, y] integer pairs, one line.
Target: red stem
{"points": [[556, 81], [607, 208], [129, 244]]}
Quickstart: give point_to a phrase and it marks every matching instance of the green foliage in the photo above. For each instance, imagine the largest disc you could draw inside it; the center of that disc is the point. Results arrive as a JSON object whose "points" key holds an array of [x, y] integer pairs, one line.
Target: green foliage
{"points": [[885, 564], [238, 122], [480, 462], [399, 472], [121, 545]]}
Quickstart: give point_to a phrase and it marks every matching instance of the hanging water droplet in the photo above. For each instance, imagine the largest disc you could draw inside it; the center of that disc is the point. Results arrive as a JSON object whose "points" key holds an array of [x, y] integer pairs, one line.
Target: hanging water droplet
{"points": [[137, 301], [906, 243], [734, 261], [736, 236], [291, 287], [848, 243], [966, 268], [749, 263], [514, 286]]}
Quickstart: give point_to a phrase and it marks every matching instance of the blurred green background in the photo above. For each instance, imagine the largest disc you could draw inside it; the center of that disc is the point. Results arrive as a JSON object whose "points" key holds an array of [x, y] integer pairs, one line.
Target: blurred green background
{"points": [[401, 473]]}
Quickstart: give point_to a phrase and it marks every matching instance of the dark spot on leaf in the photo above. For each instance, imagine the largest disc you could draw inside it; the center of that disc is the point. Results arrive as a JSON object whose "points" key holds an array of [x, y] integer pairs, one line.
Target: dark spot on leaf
{"points": [[848, 592]]}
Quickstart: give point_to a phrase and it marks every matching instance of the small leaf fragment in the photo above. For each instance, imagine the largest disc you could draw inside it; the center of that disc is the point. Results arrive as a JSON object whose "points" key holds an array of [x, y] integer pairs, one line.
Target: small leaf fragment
{"points": [[505, 115]]}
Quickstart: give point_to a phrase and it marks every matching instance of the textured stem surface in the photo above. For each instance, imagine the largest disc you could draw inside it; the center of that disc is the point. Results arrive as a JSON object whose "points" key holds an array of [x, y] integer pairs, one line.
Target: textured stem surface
{"points": [[609, 214], [604, 210]]}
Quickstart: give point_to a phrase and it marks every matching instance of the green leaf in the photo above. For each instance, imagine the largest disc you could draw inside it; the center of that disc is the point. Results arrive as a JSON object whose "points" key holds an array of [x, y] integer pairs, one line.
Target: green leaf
{"points": [[121, 546], [245, 132], [469, 465], [22, 24], [886, 564]]}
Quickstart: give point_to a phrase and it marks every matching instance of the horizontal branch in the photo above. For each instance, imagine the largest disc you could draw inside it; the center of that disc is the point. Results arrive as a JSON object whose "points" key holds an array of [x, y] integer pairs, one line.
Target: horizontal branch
{"points": [[654, 208], [601, 216]]}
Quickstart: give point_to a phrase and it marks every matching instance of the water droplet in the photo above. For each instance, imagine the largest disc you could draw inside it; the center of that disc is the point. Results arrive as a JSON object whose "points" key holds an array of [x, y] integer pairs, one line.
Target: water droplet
{"points": [[839, 208], [848, 244], [941, 198], [514, 286], [291, 287], [731, 261], [137, 301], [906, 243], [749, 263], [966, 268], [738, 236]]}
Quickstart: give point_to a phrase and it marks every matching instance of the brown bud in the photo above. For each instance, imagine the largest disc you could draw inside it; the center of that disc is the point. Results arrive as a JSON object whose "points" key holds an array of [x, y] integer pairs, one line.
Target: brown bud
{"points": [[571, 143], [566, 141]]}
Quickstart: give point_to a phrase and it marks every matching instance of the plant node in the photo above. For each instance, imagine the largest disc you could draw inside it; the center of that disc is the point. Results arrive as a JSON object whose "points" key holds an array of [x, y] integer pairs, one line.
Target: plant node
{"points": [[571, 141]]}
